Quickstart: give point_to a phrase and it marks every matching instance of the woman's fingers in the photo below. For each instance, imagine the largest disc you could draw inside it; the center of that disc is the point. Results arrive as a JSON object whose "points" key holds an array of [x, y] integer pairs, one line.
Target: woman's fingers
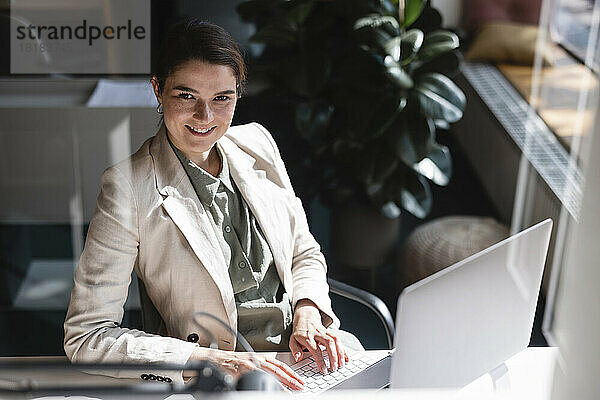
{"points": [[330, 347], [284, 373], [296, 349], [312, 341], [341, 351], [309, 333], [274, 367], [313, 348], [237, 365], [246, 365]]}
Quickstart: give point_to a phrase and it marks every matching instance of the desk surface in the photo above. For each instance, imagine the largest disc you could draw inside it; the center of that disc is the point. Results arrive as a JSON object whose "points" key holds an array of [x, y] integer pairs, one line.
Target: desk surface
{"points": [[527, 375]]}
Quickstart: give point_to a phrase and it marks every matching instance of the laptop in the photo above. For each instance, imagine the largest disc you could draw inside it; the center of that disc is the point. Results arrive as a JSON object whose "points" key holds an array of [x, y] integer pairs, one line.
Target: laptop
{"points": [[457, 324]]}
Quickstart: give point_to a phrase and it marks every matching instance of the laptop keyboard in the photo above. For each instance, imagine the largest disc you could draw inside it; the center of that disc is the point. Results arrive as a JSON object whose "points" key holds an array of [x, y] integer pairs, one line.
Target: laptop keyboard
{"points": [[316, 382]]}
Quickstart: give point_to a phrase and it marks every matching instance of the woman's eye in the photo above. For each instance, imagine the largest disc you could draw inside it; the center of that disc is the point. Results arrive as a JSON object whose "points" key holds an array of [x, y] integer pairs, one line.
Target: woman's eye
{"points": [[222, 98], [185, 96]]}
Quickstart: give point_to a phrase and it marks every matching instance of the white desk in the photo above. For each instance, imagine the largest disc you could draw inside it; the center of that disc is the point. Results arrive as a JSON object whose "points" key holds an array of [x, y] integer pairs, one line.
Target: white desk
{"points": [[527, 375]]}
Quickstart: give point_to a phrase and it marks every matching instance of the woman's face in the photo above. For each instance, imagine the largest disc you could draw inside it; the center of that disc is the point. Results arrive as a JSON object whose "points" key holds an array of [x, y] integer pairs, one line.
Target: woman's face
{"points": [[198, 102]]}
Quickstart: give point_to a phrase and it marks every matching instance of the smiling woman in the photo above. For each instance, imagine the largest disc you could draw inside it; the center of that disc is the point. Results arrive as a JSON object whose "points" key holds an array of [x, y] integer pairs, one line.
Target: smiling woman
{"points": [[198, 101], [206, 216], [197, 82]]}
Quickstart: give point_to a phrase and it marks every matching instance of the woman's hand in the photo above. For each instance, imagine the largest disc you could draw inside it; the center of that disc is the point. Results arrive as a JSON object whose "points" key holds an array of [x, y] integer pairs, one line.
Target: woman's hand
{"points": [[236, 363], [309, 333]]}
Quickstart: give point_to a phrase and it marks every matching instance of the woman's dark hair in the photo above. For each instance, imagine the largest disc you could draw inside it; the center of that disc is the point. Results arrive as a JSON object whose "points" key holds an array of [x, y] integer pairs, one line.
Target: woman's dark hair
{"points": [[193, 39]]}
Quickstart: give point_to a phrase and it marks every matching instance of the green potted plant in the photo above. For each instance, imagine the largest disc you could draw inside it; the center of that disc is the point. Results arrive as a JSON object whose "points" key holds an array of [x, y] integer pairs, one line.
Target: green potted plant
{"points": [[368, 83]]}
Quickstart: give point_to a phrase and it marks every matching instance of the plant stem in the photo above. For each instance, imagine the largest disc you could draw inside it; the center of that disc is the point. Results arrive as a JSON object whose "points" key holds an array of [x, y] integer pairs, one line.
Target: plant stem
{"points": [[401, 11]]}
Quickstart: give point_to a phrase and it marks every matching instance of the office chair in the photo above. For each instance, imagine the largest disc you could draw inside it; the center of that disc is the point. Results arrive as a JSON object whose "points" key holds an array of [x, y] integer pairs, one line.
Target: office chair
{"points": [[361, 313]]}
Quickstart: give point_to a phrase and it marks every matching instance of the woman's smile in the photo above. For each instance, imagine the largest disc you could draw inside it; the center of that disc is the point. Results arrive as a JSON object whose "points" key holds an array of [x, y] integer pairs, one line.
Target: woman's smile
{"points": [[200, 131], [198, 102]]}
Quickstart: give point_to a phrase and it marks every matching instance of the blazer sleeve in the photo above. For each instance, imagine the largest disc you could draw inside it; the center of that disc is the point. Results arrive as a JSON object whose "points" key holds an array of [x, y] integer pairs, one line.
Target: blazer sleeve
{"points": [[309, 269], [92, 326]]}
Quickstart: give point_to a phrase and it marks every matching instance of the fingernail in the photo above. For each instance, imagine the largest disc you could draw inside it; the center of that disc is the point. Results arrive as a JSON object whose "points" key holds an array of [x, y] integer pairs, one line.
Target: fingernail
{"points": [[297, 356]]}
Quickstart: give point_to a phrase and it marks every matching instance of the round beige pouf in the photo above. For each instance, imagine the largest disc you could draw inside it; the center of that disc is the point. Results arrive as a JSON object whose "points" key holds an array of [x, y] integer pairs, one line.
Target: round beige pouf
{"points": [[442, 242]]}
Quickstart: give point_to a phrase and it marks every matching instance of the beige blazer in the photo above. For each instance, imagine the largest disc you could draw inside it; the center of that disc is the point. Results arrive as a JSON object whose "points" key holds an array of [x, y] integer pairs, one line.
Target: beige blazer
{"points": [[149, 219]]}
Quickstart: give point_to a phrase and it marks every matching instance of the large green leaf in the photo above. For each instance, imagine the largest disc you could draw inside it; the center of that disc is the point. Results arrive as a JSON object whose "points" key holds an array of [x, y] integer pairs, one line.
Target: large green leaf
{"points": [[412, 10], [447, 64], [377, 21], [405, 46], [372, 40], [437, 166], [411, 137], [437, 43], [309, 58], [415, 196], [397, 74], [374, 31], [393, 48], [412, 41], [439, 98], [390, 210]]}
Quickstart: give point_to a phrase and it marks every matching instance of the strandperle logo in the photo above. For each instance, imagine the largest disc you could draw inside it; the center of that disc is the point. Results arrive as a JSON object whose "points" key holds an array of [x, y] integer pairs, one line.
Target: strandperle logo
{"points": [[80, 37], [84, 31]]}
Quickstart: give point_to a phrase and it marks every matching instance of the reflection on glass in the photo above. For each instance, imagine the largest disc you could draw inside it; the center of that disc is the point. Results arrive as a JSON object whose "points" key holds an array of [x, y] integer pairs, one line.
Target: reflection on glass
{"points": [[575, 27]]}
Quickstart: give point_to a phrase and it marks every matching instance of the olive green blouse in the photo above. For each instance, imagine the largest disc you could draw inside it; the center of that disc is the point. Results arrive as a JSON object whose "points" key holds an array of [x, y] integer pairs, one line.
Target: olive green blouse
{"points": [[264, 309]]}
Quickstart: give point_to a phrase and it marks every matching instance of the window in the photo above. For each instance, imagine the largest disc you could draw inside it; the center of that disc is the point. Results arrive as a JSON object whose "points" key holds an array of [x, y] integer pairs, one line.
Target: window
{"points": [[574, 29], [569, 96]]}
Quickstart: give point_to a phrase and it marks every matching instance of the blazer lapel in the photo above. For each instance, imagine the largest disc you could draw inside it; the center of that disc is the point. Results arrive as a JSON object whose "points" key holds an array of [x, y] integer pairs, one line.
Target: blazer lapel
{"points": [[261, 196], [183, 206]]}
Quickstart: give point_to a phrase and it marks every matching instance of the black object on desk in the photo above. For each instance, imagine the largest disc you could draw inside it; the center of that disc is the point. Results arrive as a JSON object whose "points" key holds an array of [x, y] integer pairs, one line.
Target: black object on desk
{"points": [[209, 378]]}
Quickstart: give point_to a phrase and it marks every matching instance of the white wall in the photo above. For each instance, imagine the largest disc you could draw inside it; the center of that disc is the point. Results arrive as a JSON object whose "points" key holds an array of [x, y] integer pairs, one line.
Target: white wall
{"points": [[48, 156], [451, 11]]}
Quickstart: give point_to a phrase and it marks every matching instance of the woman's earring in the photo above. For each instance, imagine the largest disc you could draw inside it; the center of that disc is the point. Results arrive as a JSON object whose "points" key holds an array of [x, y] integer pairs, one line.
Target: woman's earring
{"points": [[159, 109]]}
